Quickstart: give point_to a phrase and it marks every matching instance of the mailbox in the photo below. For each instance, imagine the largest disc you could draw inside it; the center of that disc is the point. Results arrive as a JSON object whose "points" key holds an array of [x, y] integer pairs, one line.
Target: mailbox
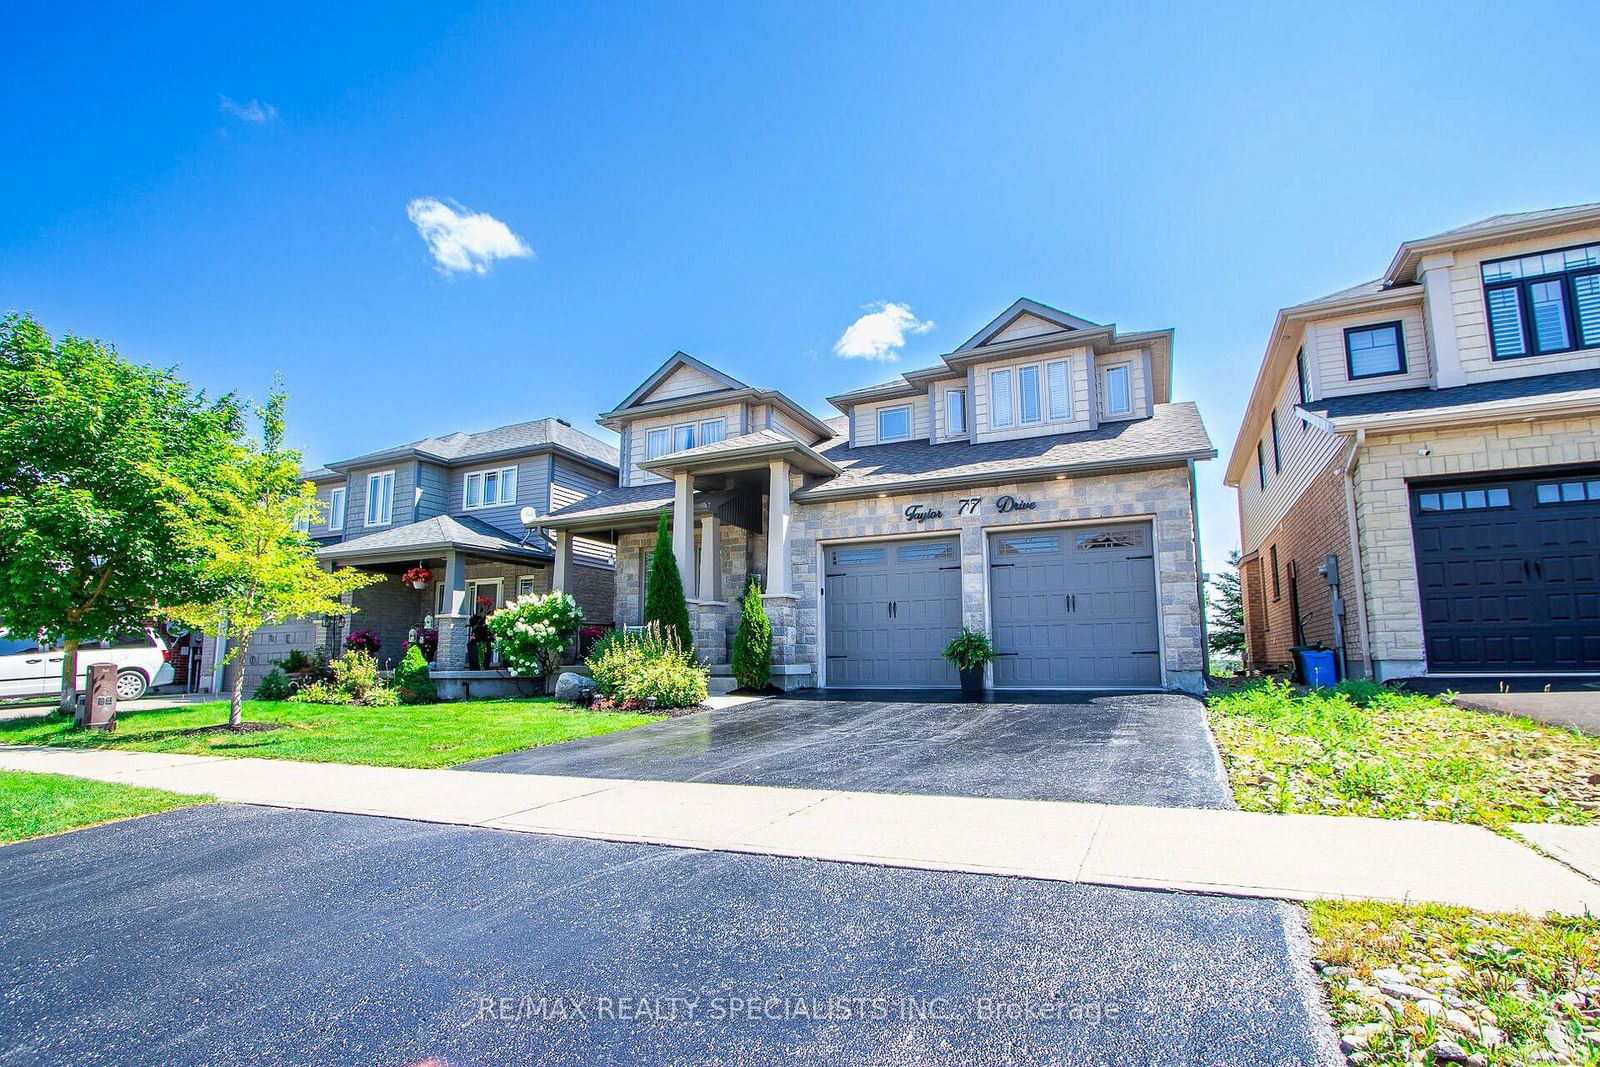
{"points": [[100, 712]]}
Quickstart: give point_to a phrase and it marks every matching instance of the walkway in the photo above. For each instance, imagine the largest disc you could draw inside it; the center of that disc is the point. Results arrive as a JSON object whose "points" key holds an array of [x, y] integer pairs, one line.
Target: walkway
{"points": [[1293, 857]]}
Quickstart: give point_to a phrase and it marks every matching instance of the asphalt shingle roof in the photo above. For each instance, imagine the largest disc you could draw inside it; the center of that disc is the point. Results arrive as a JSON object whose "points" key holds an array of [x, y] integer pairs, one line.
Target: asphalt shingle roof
{"points": [[1513, 219], [520, 435], [464, 532], [1402, 402], [622, 499]]}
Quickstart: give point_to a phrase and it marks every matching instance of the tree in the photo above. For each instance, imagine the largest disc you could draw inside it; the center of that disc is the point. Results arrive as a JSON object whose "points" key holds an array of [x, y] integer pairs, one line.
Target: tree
{"points": [[260, 568], [1226, 604], [752, 642], [95, 454], [664, 602]]}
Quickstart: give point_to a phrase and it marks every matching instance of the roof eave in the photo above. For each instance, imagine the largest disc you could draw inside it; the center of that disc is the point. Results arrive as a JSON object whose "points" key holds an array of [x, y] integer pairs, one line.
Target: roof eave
{"points": [[1502, 411], [1410, 254], [738, 458]]}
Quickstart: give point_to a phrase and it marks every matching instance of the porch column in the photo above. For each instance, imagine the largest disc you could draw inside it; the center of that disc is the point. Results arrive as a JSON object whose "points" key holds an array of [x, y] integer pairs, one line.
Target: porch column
{"points": [[778, 528], [683, 530], [452, 621], [561, 580], [710, 554]]}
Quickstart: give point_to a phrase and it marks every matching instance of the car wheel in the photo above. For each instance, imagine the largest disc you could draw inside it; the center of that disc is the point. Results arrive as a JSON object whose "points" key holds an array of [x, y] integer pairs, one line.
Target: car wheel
{"points": [[130, 685]]}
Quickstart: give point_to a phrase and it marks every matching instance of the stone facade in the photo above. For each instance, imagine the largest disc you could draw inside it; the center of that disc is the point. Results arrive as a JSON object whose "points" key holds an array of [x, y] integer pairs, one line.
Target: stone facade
{"points": [[1383, 511]]}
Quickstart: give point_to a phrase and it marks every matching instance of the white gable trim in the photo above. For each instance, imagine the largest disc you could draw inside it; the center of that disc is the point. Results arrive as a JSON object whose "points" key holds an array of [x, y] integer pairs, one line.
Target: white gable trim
{"points": [[675, 361], [1023, 307]]}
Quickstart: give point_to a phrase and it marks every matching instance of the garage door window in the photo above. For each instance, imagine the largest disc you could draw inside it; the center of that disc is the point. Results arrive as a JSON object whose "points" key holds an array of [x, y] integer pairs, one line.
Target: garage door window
{"points": [[912, 553], [845, 557], [1115, 539], [1567, 492], [1018, 546], [1465, 500]]}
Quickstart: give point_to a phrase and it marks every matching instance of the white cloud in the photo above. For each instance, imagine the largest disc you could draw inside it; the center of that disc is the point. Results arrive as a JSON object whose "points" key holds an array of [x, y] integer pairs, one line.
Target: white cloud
{"points": [[881, 333], [462, 240], [254, 111]]}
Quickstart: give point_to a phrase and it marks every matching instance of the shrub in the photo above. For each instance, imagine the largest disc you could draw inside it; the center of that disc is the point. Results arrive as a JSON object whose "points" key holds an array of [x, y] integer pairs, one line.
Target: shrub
{"points": [[668, 682], [664, 601], [650, 667], [355, 681], [274, 685], [427, 639], [321, 693], [532, 632], [412, 683], [752, 642], [612, 660], [969, 650], [296, 661], [363, 641]]}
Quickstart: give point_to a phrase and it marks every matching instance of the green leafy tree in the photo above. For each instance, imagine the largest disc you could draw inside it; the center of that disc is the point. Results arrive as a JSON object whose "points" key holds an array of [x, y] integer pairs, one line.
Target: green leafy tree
{"points": [[95, 452], [260, 568], [752, 642], [1226, 615], [664, 602]]}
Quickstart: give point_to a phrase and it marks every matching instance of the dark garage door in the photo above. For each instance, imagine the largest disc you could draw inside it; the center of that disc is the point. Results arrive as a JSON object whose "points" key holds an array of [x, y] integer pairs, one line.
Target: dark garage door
{"points": [[891, 609], [1074, 608], [1509, 572]]}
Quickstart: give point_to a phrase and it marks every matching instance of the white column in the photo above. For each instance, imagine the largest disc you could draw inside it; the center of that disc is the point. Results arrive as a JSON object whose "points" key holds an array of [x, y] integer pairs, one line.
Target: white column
{"points": [[1438, 299], [710, 556], [561, 580], [683, 530], [778, 528]]}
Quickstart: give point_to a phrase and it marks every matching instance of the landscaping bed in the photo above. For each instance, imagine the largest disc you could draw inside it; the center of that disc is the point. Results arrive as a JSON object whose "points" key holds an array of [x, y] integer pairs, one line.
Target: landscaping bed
{"points": [[1363, 749], [1412, 984], [424, 735], [33, 805]]}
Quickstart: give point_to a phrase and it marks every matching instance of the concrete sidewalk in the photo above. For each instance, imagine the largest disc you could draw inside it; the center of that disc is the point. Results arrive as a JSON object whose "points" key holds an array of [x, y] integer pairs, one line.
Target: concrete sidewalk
{"points": [[1294, 857]]}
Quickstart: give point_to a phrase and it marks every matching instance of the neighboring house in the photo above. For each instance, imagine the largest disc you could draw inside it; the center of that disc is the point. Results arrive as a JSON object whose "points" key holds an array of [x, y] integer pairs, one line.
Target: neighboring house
{"points": [[454, 504], [1037, 483], [1433, 436]]}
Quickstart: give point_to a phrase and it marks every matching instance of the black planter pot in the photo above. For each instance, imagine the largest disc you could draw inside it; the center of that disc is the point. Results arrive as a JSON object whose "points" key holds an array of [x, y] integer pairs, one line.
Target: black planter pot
{"points": [[972, 684]]}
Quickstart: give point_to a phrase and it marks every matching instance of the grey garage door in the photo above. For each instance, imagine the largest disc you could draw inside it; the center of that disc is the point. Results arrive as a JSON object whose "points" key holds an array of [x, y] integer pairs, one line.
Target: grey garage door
{"points": [[1074, 608], [891, 608], [1509, 572]]}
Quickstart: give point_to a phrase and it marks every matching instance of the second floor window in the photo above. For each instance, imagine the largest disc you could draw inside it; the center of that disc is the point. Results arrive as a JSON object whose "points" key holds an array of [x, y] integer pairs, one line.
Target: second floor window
{"points": [[1028, 393], [1543, 303], [1277, 453], [955, 411], [491, 489], [710, 431], [1119, 392], [380, 498], [894, 424], [1261, 465], [336, 509], [655, 444], [1059, 385], [1300, 374], [1000, 398], [1374, 351]]}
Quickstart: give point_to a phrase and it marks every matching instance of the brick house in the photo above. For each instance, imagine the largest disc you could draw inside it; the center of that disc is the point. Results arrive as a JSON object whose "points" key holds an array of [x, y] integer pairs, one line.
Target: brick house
{"points": [[1036, 483], [1428, 441]]}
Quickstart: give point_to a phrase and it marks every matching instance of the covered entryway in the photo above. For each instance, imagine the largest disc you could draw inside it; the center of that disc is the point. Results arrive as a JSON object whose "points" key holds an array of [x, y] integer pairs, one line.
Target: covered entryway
{"points": [[1074, 607], [891, 607], [1508, 569]]}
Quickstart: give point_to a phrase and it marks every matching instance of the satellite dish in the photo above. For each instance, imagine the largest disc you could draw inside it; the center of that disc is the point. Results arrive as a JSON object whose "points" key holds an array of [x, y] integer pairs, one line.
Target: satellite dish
{"points": [[530, 517]]}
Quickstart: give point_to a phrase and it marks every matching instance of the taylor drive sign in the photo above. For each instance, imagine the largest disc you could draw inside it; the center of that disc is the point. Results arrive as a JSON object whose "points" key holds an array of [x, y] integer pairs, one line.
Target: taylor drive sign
{"points": [[969, 505]]}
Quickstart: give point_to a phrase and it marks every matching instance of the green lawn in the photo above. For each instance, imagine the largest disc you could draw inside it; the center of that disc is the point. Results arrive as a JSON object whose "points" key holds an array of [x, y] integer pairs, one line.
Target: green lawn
{"points": [[32, 805], [1362, 749], [431, 735]]}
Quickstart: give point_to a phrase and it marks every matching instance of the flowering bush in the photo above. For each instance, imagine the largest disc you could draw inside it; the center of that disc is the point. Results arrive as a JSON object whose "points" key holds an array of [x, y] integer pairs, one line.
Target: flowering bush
{"points": [[355, 681], [363, 641], [532, 632], [650, 669]]}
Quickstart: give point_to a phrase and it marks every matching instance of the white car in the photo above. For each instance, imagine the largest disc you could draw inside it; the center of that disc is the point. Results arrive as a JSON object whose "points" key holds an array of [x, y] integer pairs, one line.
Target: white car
{"points": [[29, 668]]}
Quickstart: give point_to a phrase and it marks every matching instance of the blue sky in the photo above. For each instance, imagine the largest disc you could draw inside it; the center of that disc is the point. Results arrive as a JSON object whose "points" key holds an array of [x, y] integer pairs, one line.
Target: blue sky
{"points": [[226, 190]]}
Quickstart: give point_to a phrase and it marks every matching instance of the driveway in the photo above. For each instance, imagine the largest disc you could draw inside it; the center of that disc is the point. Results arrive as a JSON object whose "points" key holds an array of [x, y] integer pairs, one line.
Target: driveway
{"points": [[1150, 748], [247, 935]]}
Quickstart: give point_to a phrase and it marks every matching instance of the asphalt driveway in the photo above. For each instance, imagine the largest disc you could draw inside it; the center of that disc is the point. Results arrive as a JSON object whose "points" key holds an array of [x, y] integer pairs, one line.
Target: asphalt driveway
{"points": [[1147, 748], [246, 935]]}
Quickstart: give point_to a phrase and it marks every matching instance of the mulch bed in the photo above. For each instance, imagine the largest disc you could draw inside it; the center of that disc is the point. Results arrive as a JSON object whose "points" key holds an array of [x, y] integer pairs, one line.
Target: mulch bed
{"points": [[242, 728]]}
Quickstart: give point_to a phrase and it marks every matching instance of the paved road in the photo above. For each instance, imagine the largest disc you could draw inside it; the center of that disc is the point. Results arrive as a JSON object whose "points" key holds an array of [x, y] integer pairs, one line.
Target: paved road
{"points": [[1152, 749], [245, 935]]}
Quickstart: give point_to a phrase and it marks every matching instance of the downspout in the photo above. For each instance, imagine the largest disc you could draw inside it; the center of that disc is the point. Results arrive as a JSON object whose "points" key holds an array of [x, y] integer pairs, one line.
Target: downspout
{"points": [[1199, 576], [1363, 640]]}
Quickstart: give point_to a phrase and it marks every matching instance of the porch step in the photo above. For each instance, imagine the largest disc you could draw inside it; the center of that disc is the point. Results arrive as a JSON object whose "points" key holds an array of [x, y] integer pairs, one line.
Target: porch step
{"points": [[722, 682]]}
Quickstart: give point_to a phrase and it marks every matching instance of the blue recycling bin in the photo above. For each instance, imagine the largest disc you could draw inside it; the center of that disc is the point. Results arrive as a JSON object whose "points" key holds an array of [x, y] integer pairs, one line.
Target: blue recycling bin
{"points": [[1317, 666]]}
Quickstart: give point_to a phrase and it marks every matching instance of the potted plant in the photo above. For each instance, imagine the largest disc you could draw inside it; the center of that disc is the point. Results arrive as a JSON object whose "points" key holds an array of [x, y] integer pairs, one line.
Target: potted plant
{"points": [[970, 651], [417, 577]]}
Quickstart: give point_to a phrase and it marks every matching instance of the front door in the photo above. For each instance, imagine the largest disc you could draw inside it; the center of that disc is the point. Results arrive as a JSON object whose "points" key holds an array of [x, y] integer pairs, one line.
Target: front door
{"points": [[891, 607]]}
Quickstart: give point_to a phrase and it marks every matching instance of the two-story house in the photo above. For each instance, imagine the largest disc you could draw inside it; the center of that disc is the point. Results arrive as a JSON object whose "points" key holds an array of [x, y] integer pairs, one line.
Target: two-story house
{"points": [[1417, 475], [466, 506], [1036, 483]]}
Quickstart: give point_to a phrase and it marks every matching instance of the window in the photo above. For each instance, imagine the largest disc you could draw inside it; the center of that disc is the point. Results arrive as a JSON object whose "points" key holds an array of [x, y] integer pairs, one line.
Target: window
{"points": [[1261, 465], [1543, 303], [1000, 398], [491, 489], [1374, 351], [1028, 393], [710, 431], [894, 424], [848, 556], [1277, 455], [525, 586], [380, 498], [1119, 394], [336, 509], [1024, 546], [1567, 492], [914, 553], [16, 646], [655, 444], [683, 437], [1300, 376], [1465, 499], [1113, 539], [955, 411], [1059, 383], [1272, 554]]}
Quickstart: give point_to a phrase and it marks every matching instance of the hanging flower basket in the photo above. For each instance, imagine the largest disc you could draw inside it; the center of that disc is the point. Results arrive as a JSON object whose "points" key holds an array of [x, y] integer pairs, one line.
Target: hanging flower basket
{"points": [[417, 577]]}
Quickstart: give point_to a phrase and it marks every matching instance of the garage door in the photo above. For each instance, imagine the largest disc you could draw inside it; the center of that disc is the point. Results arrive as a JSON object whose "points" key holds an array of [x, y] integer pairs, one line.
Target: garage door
{"points": [[1509, 572], [891, 609], [1074, 608]]}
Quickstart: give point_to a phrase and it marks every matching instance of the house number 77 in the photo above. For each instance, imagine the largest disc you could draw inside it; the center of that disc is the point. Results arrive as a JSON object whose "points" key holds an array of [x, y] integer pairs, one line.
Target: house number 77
{"points": [[968, 505]]}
